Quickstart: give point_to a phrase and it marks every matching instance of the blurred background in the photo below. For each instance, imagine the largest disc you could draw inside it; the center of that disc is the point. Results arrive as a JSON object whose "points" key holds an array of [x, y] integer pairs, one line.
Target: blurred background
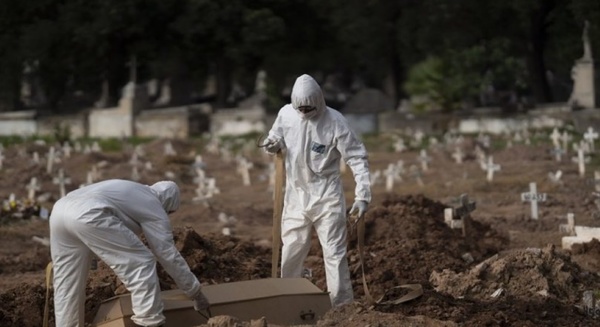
{"points": [[60, 56]]}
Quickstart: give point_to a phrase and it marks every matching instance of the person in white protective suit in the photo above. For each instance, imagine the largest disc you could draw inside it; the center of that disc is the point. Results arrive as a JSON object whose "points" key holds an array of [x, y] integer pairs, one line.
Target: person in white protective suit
{"points": [[105, 219], [315, 138]]}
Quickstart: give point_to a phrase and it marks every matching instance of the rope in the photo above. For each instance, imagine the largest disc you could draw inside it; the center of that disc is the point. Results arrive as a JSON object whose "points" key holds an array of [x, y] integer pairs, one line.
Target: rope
{"points": [[416, 290]]}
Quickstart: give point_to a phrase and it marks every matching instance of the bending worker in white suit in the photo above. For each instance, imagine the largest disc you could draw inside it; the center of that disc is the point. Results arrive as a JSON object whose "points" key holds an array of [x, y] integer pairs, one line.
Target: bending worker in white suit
{"points": [[315, 138], [105, 219]]}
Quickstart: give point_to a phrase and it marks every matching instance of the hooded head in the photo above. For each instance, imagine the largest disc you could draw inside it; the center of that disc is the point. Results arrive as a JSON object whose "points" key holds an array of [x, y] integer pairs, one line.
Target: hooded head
{"points": [[306, 94], [168, 194]]}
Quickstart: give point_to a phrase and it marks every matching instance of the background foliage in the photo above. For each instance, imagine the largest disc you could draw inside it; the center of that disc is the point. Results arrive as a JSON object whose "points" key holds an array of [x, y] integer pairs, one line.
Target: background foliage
{"points": [[450, 51]]}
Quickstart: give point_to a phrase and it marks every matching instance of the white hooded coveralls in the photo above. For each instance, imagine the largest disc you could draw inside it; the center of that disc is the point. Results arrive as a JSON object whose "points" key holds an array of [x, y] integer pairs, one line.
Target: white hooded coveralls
{"points": [[105, 219], [315, 143]]}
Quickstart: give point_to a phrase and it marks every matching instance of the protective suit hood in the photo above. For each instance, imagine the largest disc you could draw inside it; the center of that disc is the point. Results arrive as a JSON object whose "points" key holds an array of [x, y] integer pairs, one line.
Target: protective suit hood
{"points": [[168, 194], [307, 92]]}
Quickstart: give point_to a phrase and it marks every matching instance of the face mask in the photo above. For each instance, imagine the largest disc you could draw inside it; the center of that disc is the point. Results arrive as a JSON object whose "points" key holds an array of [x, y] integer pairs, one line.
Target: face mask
{"points": [[307, 112]]}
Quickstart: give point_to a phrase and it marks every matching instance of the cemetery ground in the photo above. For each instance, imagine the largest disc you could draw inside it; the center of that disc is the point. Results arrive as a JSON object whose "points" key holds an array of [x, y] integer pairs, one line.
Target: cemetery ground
{"points": [[507, 270]]}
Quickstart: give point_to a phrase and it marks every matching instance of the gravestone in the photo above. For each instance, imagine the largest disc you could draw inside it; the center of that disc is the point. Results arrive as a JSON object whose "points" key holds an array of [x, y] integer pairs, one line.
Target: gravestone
{"points": [[534, 197], [1, 158], [582, 74]]}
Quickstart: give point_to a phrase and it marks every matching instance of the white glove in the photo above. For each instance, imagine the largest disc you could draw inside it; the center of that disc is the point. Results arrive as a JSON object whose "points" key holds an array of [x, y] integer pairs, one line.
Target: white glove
{"points": [[201, 302], [272, 146], [360, 207]]}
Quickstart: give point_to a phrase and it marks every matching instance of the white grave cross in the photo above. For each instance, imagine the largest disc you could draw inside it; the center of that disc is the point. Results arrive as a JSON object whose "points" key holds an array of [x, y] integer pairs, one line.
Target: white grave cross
{"points": [[580, 160], [590, 136], [61, 180], [424, 159], [169, 150], [244, 169], [534, 197], [491, 167], [555, 137], [569, 227], [32, 187], [458, 155], [50, 161]]}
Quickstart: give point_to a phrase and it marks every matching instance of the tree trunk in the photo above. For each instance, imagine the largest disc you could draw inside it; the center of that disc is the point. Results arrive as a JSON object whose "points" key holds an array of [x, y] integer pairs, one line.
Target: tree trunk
{"points": [[535, 60]]}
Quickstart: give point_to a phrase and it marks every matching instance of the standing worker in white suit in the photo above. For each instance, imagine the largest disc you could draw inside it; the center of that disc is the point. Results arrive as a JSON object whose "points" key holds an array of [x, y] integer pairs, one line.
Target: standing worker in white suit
{"points": [[105, 219], [315, 138]]}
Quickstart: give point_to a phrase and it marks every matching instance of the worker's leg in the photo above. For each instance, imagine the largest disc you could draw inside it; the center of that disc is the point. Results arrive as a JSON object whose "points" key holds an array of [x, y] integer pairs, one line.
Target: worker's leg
{"points": [[131, 261], [331, 229], [295, 236], [71, 261]]}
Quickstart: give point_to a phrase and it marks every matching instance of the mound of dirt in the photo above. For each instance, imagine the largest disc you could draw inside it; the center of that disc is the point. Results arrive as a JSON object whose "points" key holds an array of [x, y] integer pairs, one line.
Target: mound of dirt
{"points": [[523, 273], [406, 239]]}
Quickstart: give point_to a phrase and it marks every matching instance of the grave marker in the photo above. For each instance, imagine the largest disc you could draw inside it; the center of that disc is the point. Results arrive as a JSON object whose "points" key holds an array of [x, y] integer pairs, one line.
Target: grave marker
{"points": [[36, 158], [1, 157], [555, 177], [66, 148], [450, 221], [424, 160], [61, 180], [555, 137], [558, 153], [244, 167], [569, 227], [399, 145], [458, 155], [590, 136], [96, 147], [32, 187], [390, 176], [580, 160], [533, 197], [464, 212], [416, 174], [50, 161], [169, 150], [565, 138], [491, 167], [135, 174]]}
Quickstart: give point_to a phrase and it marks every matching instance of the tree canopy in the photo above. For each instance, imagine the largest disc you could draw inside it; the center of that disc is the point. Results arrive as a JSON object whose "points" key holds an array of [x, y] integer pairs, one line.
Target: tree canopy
{"points": [[449, 50]]}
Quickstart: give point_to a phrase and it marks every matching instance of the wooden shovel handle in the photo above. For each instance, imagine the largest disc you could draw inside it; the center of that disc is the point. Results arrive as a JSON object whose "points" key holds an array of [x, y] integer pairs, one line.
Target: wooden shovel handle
{"points": [[277, 211]]}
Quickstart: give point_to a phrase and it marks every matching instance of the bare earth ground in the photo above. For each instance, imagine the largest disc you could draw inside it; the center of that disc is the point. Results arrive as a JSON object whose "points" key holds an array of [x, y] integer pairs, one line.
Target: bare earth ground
{"points": [[407, 239]]}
